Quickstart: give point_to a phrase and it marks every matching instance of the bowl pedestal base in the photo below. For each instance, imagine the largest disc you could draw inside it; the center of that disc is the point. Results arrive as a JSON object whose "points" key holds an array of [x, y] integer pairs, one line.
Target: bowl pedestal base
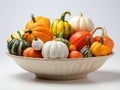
{"points": [[62, 77]]}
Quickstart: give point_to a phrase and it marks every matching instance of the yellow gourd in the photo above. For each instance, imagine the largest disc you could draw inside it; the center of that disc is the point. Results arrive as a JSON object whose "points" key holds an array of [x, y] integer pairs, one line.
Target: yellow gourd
{"points": [[61, 28], [98, 49]]}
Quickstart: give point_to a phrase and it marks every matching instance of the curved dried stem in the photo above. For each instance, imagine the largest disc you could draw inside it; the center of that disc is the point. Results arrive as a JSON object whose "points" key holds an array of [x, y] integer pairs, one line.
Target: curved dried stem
{"points": [[104, 33]]}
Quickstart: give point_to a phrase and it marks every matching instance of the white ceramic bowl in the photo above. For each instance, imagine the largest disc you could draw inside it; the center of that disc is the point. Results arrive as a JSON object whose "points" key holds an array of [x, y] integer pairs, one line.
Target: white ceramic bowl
{"points": [[60, 69]]}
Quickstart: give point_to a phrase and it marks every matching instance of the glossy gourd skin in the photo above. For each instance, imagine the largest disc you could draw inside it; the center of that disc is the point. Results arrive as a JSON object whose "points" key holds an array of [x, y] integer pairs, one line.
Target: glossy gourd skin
{"points": [[79, 39], [61, 27], [43, 34], [81, 23], [39, 26], [75, 54], [16, 35], [72, 47], [38, 21], [16, 46], [55, 49]]}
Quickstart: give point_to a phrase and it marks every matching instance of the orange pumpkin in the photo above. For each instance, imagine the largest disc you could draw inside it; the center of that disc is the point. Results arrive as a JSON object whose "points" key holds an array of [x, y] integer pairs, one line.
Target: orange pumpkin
{"points": [[80, 39], [40, 26], [75, 54], [38, 21], [30, 52], [72, 48], [106, 39], [43, 34]]}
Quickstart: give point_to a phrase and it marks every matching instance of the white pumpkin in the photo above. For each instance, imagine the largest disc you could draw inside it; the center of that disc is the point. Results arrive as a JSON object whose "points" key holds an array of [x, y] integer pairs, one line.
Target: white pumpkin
{"points": [[55, 49], [81, 23], [37, 43]]}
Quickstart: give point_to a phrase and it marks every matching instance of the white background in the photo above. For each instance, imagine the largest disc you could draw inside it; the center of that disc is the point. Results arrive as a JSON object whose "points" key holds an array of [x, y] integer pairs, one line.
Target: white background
{"points": [[15, 13]]}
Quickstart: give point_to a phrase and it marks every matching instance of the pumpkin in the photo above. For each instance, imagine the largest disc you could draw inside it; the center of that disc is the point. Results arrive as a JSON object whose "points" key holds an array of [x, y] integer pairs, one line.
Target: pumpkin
{"points": [[75, 54], [30, 52], [55, 49], [79, 39], [61, 27], [86, 52], [38, 21], [44, 34], [16, 46], [81, 22], [39, 26], [16, 35], [72, 47], [106, 39], [37, 43], [98, 49]]}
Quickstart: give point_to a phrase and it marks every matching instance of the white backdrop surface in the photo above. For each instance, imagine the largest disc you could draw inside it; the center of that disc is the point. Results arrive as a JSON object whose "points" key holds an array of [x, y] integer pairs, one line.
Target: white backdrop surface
{"points": [[15, 13]]}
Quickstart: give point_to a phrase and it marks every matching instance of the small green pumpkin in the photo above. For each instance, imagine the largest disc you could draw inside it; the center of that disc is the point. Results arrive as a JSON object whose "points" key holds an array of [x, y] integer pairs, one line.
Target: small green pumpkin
{"points": [[63, 40], [16, 35], [61, 27], [16, 46], [86, 52]]}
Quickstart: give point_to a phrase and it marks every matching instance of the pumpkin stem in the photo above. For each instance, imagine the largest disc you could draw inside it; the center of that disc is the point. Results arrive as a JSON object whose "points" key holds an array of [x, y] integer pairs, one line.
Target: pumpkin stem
{"points": [[89, 41], [35, 37], [63, 15], [81, 15], [54, 37], [101, 40], [29, 31], [104, 33], [33, 18]]}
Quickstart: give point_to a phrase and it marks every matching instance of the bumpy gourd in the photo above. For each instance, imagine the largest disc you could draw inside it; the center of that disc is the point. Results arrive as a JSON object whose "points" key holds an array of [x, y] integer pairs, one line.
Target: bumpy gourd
{"points": [[98, 49]]}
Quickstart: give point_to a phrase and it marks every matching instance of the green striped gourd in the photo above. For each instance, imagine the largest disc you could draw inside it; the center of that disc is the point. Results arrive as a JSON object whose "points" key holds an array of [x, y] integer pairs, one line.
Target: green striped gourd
{"points": [[16, 46], [86, 52], [16, 35], [61, 27]]}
